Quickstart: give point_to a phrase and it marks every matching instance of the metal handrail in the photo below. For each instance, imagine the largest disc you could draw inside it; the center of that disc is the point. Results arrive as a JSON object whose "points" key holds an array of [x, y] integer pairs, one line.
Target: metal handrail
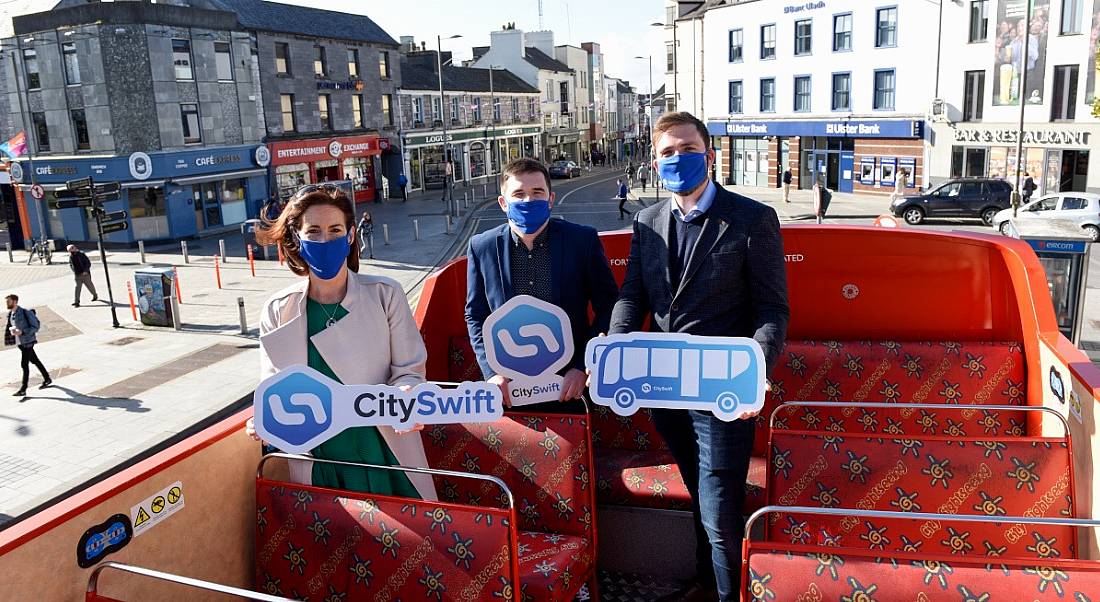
{"points": [[93, 582], [918, 406], [396, 468], [977, 518]]}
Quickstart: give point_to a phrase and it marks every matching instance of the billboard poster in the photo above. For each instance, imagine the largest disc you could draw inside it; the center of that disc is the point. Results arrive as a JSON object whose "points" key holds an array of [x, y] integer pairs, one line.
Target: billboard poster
{"points": [[1092, 67], [1008, 63]]}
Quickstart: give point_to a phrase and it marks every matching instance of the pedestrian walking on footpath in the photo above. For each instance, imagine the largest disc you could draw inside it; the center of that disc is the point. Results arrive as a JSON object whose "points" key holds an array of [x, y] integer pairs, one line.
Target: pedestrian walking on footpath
{"points": [[629, 179], [787, 185], [403, 184], [1029, 187], [622, 198], [21, 331], [366, 235], [901, 181], [822, 198], [643, 175], [82, 272]]}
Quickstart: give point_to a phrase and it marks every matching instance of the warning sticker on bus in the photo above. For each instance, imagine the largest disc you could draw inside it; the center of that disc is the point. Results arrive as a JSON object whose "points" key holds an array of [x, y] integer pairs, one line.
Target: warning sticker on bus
{"points": [[723, 375], [157, 507]]}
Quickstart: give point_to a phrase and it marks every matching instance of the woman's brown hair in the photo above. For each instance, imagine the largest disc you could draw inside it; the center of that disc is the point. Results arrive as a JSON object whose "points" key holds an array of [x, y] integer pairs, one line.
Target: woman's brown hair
{"points": [[284, 230]]}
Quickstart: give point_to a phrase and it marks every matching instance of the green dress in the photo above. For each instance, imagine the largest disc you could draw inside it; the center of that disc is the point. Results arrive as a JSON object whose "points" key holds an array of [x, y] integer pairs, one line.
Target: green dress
{"points": [[362, 444]]}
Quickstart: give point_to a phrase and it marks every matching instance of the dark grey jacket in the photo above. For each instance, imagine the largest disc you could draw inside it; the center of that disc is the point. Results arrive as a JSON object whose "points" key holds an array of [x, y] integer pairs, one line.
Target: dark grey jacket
{"points": [[734, 284], [21, 318]]}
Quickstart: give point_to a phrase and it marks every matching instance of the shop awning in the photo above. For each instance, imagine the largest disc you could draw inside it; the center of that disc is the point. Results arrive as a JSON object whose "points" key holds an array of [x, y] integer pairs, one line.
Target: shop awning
{"points": [[247, 173]]}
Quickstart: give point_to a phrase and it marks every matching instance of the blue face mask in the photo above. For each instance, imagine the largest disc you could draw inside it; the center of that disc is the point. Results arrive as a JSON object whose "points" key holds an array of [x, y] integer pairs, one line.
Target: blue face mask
{"points": [[683, 172], [325, 258], [529, 216]]}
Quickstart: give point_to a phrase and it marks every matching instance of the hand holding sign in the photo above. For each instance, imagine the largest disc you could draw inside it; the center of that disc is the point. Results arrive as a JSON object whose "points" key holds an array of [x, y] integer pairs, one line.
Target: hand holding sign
{"points": [[527, 341], [724, 375]]}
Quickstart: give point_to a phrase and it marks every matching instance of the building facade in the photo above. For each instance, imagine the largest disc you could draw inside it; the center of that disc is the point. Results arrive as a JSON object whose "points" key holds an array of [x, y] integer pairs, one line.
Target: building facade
{"points": [[163, 98], [577, 61], [597, 110], [835, 91], [492, 117]]}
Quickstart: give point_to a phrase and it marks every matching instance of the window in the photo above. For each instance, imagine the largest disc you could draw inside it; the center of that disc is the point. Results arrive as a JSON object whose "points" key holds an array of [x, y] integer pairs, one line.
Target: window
{"points": [[1071, 16], [72, 63], [286, 107], [384, 64], [767, 42], [319, 66], [670, 59], [802, 93], [357, 111], [454, 109], [1072, 203], [223, 60], [842, 32], [30, 65], [181, 59], [80, 128], [973, 95], [886, 29], [477, 109], [1063, 105], [387, 109], [496, 110], [803, 37], [323, 104], [515, 108], [737, 97], [884, 90], [532, 108], [41, 131], [418, 110], [767, 95], [842, 92], [353, 63], [189, 116], [437, 109], [670, 15], [979, 20], [737, 45], [282, 59]]}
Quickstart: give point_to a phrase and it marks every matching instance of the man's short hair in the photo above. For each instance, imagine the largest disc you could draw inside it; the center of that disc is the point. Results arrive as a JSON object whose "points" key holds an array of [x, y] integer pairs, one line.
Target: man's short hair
{"points": [[670, 120], [524, 165], [70, 248], [13, 297]]}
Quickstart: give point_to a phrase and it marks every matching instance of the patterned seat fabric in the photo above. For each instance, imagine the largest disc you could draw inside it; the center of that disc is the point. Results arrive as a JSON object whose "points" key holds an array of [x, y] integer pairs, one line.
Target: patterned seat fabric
{"points": [[1010, 476], [551, 564], [783, 573], [652, 480], [323, 544]]}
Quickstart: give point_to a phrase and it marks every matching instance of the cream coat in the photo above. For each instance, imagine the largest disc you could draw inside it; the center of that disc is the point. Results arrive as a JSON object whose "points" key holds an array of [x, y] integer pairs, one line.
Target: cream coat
{"points": [[377, 342]]}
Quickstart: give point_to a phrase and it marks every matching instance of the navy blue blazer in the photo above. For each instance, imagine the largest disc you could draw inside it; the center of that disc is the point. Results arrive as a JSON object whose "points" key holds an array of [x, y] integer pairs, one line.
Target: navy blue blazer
{"points": [[580, 275]]}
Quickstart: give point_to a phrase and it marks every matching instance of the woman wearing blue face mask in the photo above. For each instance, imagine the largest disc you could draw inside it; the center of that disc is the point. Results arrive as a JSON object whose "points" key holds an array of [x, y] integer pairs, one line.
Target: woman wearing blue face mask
{"points": [[353, 328]]}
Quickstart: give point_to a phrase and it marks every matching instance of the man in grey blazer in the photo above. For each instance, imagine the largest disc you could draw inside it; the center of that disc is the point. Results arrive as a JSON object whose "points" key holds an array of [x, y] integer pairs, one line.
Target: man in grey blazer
{"points": [[706, 262]]}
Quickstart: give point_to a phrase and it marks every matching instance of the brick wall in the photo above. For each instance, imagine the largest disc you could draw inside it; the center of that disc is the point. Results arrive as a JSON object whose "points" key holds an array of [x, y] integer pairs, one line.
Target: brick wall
{"points": [[885, 147]]}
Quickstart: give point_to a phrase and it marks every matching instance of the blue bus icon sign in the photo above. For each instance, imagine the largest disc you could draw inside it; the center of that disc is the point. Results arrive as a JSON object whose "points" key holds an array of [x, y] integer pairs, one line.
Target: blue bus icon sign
{"points": [[295, 407], [528, 338], [723, 375]]}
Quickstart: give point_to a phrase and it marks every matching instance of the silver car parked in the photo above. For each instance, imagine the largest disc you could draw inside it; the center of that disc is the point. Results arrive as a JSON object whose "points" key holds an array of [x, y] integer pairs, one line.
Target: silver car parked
{"points": [[1081, 208]]}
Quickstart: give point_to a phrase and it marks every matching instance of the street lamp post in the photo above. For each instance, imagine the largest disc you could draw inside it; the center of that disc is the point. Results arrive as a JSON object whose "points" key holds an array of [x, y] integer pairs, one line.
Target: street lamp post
{"points": [[448, 169]]}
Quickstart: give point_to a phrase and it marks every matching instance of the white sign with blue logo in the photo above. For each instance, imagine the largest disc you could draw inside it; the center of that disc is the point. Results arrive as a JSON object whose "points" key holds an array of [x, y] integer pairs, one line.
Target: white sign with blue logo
{"points": [[300, 408], [723, 375], [528, 341]]}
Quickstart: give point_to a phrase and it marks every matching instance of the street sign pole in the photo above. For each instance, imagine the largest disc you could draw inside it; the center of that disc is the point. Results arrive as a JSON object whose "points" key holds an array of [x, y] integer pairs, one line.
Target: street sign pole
{"points": [[94, 201]]}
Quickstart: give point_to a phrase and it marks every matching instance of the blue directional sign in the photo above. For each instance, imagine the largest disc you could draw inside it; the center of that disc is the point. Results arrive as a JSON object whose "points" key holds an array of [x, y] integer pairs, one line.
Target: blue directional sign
{"points": [[723, 375]]}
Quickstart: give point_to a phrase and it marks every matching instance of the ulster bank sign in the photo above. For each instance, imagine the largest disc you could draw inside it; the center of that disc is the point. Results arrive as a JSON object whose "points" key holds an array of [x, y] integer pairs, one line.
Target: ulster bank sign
{"points": [[883, 128]]}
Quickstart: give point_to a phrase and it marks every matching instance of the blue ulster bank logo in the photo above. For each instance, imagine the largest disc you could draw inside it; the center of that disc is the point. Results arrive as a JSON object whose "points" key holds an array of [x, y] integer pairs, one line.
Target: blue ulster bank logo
{"points": [[723, 375], [297, 408], [527, 337]]}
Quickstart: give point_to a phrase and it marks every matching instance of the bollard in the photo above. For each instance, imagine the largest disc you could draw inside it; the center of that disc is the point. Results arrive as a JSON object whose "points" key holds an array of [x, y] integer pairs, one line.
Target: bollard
{"points": [[11, 259], [281, 258], [251, 261], [183, 247], [386, 234], [484, 191], [266, 248], [448, 224], [416, 229], [176, 284], [221, 250], [176, 322], [141, 250], [465, 200], [133, 306], [244, 318], [217, 271]]}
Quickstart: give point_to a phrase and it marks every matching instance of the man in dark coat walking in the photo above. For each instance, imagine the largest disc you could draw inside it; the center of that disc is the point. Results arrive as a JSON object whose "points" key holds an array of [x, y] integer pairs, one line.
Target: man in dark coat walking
{"points": [[82, 272]]}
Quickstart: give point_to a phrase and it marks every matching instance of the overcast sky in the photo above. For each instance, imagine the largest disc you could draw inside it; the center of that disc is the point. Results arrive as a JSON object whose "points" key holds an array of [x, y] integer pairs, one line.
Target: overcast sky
{"points": [[621, 27]]}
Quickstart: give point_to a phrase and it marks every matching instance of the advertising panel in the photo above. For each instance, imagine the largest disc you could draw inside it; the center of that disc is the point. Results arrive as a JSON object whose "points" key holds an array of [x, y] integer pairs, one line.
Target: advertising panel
{"points": [[1008, 42]]}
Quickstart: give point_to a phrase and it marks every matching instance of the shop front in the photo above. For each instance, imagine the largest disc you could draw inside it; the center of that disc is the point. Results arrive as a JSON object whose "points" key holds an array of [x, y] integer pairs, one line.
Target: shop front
{"points": [[166, 195], [563, 146], [846, 155], [1056, 156], [297, 163], [474, 153]]}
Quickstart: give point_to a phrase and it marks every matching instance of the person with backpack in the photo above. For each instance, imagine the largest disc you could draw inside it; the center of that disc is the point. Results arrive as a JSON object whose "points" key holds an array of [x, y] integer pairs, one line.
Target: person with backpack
{"points": [[643, 175], [21, 331], [1029, 187], [82, 271]]}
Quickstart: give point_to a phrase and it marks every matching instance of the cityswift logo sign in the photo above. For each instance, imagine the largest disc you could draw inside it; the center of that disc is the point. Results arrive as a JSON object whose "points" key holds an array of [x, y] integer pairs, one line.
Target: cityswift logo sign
{"points": [[528, 341], [723, 375], [300, 408]]}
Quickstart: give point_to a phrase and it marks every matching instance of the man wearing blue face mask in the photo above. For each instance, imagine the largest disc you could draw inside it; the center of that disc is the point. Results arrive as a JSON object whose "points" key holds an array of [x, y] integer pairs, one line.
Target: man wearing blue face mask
{"points": [[554, 260], [706, 262]]}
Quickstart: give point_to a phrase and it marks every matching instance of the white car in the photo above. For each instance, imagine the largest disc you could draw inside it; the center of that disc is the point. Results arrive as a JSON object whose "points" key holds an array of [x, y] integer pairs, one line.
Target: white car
{"points": [[1081, 208]]}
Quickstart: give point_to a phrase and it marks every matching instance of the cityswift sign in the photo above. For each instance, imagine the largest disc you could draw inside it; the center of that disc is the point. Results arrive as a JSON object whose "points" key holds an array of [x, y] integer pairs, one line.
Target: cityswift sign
{"points": [[528, 341], [299, 408], [723, 375]]}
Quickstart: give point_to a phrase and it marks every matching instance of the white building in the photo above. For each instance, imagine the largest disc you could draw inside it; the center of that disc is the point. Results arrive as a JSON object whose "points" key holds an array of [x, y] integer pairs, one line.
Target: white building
{"points": [[581, 89], [597, 129], [976, 133], [835, 90]]}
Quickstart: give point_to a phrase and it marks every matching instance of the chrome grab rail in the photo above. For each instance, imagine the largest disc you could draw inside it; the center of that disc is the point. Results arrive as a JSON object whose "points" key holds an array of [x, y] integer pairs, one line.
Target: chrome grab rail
{"points": [[93, 582], [396, 468], [918, 406]]}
